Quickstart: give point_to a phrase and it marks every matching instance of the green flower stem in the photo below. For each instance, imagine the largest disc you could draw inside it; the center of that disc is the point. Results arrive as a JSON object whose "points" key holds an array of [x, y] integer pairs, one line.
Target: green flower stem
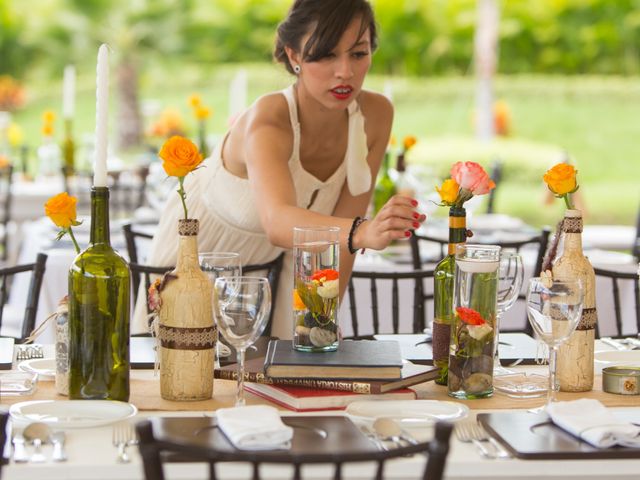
{"points": [[73, 239], [567, 201], [183, 196]]}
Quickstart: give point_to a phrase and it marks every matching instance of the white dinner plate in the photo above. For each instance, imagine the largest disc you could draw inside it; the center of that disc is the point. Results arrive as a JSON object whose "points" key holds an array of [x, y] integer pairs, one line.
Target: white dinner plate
{"points": [[409, 411], [617, 357], [44, 367], [72, 413]]}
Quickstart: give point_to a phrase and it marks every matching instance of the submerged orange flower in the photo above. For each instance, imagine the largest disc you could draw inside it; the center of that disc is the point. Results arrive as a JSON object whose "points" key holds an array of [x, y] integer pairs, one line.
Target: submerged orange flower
{"points": [[325, 275], [180, 156], [470, 316], [298, 304]]}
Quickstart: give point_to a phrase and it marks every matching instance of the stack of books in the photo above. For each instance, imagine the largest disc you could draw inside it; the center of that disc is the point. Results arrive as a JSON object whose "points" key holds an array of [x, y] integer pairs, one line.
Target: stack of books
{"points": [[359, 370]]}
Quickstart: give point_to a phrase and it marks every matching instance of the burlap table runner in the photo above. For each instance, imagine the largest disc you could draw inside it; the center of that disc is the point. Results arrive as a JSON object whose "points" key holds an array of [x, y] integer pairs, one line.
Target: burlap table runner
{"points": [[145, 395]]}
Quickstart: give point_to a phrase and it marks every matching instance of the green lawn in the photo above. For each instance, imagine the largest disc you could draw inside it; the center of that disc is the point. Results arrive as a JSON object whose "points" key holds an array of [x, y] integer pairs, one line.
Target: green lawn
{"points": [[593, 118]]}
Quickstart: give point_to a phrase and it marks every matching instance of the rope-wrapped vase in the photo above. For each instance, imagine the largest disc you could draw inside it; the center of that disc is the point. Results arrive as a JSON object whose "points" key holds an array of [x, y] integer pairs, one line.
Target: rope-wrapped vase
{"points": [[187, 332]]}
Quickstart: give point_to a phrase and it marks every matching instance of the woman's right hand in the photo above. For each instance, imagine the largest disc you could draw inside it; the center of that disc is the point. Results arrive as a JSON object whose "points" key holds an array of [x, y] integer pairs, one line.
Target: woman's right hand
{"points": [[394, 221]]}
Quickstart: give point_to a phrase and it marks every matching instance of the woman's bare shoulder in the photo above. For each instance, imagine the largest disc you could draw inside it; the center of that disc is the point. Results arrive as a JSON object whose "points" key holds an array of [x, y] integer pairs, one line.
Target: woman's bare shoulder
{"points": [[375, 105], [270, 110]]}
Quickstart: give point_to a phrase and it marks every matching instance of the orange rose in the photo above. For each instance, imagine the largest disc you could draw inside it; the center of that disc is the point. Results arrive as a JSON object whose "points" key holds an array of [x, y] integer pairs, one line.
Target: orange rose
{"points": [[180, 156], [61, 209], [4, 161], [408, 142], [561, 179]]}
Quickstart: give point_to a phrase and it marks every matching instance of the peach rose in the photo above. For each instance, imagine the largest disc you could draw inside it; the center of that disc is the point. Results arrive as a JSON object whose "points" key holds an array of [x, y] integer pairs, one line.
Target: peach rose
{"points": [[180, 156], [471, 176], [61, 209]]}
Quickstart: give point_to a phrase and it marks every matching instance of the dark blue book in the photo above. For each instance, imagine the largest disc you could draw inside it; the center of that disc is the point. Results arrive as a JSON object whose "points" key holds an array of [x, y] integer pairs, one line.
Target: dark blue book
{"points": [[361, 359]]}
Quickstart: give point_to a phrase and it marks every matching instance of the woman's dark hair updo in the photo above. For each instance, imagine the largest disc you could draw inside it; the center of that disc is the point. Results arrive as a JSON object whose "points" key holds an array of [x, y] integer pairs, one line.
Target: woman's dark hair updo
{"points": [[327, 19]]}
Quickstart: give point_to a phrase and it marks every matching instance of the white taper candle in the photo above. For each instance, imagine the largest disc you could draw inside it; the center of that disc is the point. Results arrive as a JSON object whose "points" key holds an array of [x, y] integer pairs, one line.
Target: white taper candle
{"points": [[69, 92], [102, 115]]}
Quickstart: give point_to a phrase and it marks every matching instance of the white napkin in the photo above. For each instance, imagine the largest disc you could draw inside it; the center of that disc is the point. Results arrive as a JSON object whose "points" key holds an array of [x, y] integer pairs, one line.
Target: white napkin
{"points": [[590, 420], [256, 427]]}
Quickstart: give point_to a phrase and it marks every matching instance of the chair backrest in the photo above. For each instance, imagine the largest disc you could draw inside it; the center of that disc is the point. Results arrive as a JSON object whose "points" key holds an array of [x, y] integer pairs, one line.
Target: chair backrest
{"points": [[131, 237], [31, 309], [271, 270], [154, 452], [636, 245], [4, 417], [496, 176], [376, 287], [618, 280], [5, 208]]}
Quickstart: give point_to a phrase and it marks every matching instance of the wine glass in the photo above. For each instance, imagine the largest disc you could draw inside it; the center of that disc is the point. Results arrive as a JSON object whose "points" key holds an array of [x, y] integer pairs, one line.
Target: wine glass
{"points": [[220, 264], [510, 277], [242, 306], [554, 309]]}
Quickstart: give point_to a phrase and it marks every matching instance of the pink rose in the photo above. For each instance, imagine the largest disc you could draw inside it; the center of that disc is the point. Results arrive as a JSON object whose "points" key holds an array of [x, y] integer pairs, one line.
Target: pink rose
{"points": [[471, 176]]}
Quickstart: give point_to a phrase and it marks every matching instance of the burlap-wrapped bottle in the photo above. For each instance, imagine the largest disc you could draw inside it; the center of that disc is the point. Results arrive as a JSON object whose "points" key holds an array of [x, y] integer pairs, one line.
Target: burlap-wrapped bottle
{"points": [[187, 331], [575, 356]]}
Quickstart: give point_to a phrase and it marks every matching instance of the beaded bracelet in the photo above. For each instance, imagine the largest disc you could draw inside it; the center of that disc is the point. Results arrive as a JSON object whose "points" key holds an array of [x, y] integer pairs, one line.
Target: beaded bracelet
{"points": [[356, 223]]}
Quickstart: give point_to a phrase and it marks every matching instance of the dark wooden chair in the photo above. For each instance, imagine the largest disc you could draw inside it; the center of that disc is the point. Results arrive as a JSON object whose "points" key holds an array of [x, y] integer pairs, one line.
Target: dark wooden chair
{"points": [[7, 275], [154, 452], [4, 417], [132, 238], [415, 278], [617, 279], [5, 209]]}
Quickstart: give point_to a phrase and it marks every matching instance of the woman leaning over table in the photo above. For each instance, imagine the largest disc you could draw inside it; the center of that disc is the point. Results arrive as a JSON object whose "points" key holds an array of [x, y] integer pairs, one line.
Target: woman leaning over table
{"points": [[307, 155]]}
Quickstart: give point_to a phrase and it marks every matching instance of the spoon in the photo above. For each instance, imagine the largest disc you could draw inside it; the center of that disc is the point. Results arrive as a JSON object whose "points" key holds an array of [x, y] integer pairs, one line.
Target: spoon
{"points": [[36, 433], [387, 429]]}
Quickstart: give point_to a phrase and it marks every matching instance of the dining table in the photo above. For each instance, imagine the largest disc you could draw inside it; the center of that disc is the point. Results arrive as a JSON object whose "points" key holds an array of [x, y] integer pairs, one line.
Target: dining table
{"points": [[91, 453]]}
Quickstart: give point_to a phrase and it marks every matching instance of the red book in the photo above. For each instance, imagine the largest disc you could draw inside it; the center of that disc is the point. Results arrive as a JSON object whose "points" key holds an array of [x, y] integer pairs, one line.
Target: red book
{"points": [[303, 399]]}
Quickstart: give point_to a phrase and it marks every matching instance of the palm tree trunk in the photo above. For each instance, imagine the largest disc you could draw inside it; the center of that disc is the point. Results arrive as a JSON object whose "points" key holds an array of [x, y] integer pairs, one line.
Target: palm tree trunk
{"points": [[129, 119]]}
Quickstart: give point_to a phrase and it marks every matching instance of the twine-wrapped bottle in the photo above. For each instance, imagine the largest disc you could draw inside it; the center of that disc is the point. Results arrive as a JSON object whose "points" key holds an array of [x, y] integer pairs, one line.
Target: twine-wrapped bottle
{"points": [[575, 357], [187, 331]]}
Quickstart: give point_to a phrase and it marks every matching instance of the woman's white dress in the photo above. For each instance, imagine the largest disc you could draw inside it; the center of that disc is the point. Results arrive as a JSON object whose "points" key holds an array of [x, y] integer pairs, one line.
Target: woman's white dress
{"points": [[229, 221]]}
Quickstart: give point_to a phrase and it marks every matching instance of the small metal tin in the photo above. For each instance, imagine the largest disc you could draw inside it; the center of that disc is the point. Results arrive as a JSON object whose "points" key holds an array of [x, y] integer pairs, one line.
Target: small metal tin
{"points": [[623, 380]]}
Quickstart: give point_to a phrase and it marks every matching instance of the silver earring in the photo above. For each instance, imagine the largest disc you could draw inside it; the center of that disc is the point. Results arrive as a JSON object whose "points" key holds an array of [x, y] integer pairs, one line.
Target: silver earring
{"points": [[297, 69]]}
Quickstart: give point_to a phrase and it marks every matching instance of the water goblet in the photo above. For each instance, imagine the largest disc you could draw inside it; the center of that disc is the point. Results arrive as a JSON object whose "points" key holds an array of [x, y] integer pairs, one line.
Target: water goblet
{"points": [[554, 309], [241, 306], [220, 264], [510, 277]]}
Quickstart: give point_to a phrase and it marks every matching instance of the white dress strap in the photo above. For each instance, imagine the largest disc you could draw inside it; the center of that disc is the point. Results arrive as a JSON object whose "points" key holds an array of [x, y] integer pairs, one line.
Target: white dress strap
{"points": [[358, 171], [295, 123]]}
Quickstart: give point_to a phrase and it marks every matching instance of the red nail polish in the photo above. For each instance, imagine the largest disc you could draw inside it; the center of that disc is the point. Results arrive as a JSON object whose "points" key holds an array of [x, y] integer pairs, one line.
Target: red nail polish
{"points": [[414, 203], [416, 216], [407, 234], [416, 224]]}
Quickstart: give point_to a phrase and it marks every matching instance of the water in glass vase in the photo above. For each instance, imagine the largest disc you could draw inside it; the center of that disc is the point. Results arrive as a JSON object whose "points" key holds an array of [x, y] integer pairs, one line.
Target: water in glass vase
{"points": [[472, 334], [316, 253], [99, 309]]}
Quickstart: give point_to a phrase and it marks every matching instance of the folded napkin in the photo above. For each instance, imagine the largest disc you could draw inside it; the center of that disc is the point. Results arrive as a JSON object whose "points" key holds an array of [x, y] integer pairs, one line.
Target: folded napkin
{"points": [[591, 421], [256, 427]]}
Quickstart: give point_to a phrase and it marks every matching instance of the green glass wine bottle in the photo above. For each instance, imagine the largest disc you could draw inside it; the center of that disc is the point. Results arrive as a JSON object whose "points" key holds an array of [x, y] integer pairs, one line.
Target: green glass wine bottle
{"points": [[385, 187], [443, 294], [68, 150], [99, 310]]}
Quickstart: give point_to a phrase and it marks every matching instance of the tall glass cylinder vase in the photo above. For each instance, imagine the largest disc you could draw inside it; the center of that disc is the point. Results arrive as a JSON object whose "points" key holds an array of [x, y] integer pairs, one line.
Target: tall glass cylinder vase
{"points": [[316, 288], [472, 332], [99, 310]]}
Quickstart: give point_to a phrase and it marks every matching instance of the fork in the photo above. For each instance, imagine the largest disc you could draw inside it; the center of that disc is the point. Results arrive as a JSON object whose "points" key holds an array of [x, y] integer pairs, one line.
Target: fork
{"points": [[124, 434], [469, 432], [27, 352]]}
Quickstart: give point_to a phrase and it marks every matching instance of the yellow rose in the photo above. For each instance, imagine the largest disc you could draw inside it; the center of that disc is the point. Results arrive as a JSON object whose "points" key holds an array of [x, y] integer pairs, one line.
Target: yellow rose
{"points": [[202, 112], [194, 100], [15, 135], [409, 141], [61, 209], [47, 129], [449, 191], [561, 179], [180, 156], [48, 116]]}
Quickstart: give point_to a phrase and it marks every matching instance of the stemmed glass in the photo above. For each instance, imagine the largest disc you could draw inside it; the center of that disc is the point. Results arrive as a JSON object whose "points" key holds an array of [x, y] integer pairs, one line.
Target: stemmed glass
{"points": [[242, 306], [510, 276], [220, 264], [554, 309]]}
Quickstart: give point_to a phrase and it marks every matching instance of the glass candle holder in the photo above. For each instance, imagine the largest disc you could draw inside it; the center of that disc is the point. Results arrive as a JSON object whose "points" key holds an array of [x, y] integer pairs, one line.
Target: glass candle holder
{"points": [[473, 328], [316, 288]]}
